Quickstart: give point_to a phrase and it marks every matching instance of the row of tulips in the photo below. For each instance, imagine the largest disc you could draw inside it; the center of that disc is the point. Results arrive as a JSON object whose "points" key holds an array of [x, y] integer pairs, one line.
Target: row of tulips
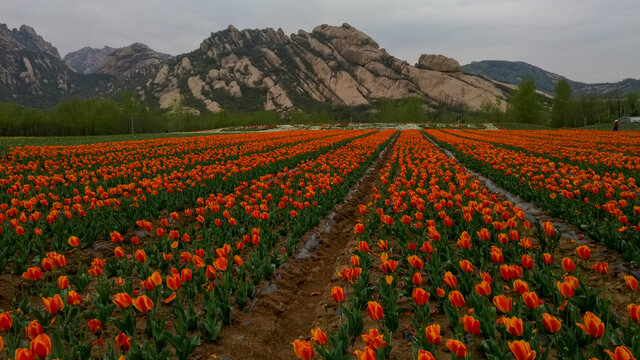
{"points": [[602, 151], [477, 281], [606, 205], [173, 282], [92, 213]]}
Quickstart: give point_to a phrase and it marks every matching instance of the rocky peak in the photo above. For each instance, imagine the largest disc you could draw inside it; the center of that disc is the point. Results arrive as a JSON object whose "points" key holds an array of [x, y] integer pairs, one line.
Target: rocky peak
{"points": [[225, 41], [128, 60], [25, 38], [87, 60]]}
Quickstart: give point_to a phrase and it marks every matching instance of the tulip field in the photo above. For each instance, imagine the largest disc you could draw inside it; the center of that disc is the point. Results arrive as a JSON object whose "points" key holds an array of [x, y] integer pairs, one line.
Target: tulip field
{"points": [[323, 244]]}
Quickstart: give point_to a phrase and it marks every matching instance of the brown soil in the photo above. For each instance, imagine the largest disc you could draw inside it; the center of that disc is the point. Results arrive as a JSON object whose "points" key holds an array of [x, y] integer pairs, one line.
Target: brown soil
{"points": [[292, 304]]}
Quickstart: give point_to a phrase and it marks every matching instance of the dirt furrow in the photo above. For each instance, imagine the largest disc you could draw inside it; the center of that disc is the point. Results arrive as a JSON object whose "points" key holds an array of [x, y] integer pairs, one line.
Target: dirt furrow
{"points": [[290, 305]]}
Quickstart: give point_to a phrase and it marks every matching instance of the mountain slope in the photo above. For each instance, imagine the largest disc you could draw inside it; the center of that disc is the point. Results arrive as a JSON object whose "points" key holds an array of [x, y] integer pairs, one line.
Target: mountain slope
{"points": [[337, 65], [514, 71], [32, 72]]}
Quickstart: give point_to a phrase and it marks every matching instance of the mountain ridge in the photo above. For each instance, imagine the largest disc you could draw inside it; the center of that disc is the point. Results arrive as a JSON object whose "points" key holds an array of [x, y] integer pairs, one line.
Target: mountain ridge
{"points": [[513, 72], [249, 69]]}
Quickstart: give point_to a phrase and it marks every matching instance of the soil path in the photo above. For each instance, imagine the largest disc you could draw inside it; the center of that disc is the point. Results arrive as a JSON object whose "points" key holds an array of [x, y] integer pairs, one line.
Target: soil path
{"points": [[290, 305], [613, 284]]}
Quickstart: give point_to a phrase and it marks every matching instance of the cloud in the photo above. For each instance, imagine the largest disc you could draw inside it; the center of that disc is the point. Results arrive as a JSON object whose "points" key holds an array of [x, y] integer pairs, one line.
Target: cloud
{"points": [[586, 40]]}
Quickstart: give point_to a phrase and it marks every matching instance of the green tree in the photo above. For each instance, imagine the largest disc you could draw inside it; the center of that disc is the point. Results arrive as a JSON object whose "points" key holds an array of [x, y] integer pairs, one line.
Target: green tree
{"points": [[633, 100], [525, 105], [561, 110]]}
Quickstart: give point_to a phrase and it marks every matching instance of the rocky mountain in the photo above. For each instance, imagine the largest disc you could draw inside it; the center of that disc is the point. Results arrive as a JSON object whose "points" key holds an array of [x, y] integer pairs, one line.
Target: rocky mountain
{"points": [[513, 72], [88, 60], [244, 70], [339, 65], [32, 72]]}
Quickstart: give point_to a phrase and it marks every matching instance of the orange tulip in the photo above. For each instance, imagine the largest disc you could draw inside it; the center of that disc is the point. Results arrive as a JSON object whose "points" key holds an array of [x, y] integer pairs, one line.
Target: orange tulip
{"points": [[143, 303], [425, 355], [520, 286], [41, 346], [375, 310], [140, 255], [123, 300], [417, 279], [568, 265], [174, 282], [5, 321], [33, 329], [483, 289], [23, 354], [548, 228], [601, 268], [457, 347], [389, 266], [551, 323], [631, 282], [433, 334], [522, 350], [74, 298], [450, 280], [547, 258], [221, 263], [620, 353], [318, 336], [466, 266], [118, 252], [471, 324], [634, 313], [303, 349], [368, 353], [566, 289], [592, 326], [484, 234], [63, 282], [420, 297], [374, 339], [456, 299], [503, 303], [514, 326], [527, 262], [337, 293], [584, 252], [33, 273], [73, 241], [416, 262], [54, 304], [532, 300]]}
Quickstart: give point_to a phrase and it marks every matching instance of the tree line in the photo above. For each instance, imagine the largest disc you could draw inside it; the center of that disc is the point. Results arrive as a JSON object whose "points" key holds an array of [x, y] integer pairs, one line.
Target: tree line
{"points": [[528, 106], [84, 117]]}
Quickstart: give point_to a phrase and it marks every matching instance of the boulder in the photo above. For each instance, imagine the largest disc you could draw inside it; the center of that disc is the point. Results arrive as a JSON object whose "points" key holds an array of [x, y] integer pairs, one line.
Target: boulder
{"points": [[438, 63]]}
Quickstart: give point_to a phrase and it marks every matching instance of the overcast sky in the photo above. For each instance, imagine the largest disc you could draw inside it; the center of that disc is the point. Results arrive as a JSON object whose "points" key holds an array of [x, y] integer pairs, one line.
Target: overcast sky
{"points": [[584, 40]]}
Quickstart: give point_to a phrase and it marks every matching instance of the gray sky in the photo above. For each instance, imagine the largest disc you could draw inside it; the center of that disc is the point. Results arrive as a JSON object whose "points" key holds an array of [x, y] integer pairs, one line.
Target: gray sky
{"points": [[584, 40]]}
